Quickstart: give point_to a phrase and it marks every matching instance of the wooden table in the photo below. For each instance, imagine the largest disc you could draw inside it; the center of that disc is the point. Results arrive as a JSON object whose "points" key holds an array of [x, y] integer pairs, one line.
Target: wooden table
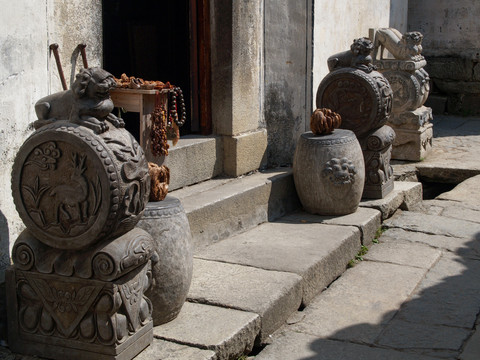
{"points": [[143, 102]]}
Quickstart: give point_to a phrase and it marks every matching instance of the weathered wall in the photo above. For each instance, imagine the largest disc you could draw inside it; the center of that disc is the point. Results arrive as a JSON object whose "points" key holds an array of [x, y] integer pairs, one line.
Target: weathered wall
{"points": [[28, 72], [451, 46], [338, 23], [292, 74], [286, 75]]}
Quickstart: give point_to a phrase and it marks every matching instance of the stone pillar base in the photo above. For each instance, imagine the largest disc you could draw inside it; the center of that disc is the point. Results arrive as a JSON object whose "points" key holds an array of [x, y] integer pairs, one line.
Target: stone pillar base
{"points": [[377, 149], [38, 330], [412, 145], [414, 134], [80, 305]]}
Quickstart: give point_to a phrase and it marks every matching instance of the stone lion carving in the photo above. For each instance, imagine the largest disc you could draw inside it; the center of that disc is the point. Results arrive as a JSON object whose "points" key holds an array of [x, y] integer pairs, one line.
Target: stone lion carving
{"points": [[87, 103], [402, 47], [357, 57]]}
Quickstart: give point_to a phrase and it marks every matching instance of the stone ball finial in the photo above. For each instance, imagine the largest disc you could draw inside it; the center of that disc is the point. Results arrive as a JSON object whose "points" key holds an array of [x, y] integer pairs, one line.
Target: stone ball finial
{"points": [[323, 121]]}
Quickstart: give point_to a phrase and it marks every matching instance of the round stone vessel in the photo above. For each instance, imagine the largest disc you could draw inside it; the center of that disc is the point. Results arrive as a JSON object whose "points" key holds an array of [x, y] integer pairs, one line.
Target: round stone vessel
{"points": [[167, 223], [329, 172], [73, 187]]}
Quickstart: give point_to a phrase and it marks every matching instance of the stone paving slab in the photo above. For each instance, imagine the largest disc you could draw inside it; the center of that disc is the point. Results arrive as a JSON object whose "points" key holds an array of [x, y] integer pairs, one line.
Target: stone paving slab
{"points": [[404, 195], [318, 253], [471, 350], [227, 332], [166, 350], [359, 305], [449, 295], [434, 224], [461, 246], [366, 219], [400, 252], [424, 339], [455, 151], [467, 192], [273, 295], [297, 346], [452, 209]]}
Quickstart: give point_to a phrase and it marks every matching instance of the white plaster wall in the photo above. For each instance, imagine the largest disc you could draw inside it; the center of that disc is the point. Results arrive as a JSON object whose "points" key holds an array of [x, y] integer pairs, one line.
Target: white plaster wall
{"points": [[449, 27], [337, 23], [28, 72]]}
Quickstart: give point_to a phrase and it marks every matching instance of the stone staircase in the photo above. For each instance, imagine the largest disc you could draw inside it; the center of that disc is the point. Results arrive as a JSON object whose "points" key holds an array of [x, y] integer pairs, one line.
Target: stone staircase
{"points": [[258, 259]]}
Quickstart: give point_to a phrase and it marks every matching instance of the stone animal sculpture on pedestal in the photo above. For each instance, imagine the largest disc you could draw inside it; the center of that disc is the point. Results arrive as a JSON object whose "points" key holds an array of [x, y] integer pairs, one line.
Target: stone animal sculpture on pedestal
{"points": [[357, 57], [87, 103], [402, 47]]}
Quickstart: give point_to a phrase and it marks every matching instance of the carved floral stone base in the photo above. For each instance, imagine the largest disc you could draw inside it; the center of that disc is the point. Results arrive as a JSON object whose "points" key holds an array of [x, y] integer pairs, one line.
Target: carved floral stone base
{"points": [[413, 145], [377, 150], [414, 134], [88, 304]]}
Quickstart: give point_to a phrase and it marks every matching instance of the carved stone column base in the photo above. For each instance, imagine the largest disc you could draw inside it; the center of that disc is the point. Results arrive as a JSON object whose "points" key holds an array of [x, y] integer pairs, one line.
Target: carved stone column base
{"points": [[85, 304], [414, 134], [412, 145], [377, 149], [91, 328]]}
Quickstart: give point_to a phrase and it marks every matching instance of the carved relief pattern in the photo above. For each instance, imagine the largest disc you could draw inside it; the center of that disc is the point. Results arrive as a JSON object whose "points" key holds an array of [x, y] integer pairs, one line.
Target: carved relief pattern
{"points": [[85, 311], [64, 198], [363, 100], [88, 180], [377, 151], [340, 171]]}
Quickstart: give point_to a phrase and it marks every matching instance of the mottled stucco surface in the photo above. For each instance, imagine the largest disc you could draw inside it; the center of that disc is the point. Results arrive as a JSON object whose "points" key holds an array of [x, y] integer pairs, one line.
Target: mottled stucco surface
{"points": [[28, 72]]}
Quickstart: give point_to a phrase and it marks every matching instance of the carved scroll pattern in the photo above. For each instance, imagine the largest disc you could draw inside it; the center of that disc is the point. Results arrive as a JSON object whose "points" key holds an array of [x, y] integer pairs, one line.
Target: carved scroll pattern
{"points": [[89, 312]]}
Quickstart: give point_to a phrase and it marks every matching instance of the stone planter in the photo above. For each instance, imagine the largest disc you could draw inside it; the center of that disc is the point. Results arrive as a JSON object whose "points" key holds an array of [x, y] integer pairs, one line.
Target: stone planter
{"points": [[329, 172], [167, 222]]}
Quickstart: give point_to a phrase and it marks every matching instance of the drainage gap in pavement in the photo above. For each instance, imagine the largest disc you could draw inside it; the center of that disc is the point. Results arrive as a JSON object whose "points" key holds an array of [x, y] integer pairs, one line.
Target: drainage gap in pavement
{"points": [[431, 189]]}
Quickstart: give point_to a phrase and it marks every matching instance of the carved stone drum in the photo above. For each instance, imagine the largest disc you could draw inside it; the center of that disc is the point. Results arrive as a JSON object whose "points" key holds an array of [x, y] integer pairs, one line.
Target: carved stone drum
{"points": [[73, 187], [363, 100], [329, 172], [167, 223]]}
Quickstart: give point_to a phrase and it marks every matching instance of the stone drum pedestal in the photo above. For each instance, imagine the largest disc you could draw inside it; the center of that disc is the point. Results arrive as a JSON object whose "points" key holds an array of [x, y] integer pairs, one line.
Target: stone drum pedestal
{"points": [[80, 271], [363, 98], [167, 223], [411, 85], [329, 172]]}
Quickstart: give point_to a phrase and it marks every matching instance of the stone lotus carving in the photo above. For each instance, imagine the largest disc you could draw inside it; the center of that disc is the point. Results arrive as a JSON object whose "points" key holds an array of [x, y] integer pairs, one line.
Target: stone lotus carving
{"points": [[402, 47], [87, 103], [324, 121]]}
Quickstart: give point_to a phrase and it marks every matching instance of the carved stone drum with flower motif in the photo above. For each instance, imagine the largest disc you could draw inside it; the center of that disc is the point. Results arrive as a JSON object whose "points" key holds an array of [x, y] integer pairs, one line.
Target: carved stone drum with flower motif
{"points": [[73, 187], [329, 172], [81, 268]]}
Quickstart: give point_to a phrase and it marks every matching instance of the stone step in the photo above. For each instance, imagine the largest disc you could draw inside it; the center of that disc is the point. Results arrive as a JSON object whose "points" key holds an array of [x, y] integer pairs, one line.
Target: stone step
{"points": [[248, 285], [259, 258], [219, 208]]}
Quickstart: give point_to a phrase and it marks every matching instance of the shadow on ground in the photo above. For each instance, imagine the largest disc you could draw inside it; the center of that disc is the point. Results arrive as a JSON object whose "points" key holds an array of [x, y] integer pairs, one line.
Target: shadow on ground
{"points": [[436, 322]]}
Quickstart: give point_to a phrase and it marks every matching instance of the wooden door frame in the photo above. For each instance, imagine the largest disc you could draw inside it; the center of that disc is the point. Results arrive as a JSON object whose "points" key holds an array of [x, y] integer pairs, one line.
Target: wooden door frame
{"points": [[200, 65]]}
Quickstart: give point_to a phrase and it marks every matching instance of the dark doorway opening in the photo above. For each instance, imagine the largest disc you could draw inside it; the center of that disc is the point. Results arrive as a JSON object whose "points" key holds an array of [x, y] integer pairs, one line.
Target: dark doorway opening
{"points": [[166, 41]]}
